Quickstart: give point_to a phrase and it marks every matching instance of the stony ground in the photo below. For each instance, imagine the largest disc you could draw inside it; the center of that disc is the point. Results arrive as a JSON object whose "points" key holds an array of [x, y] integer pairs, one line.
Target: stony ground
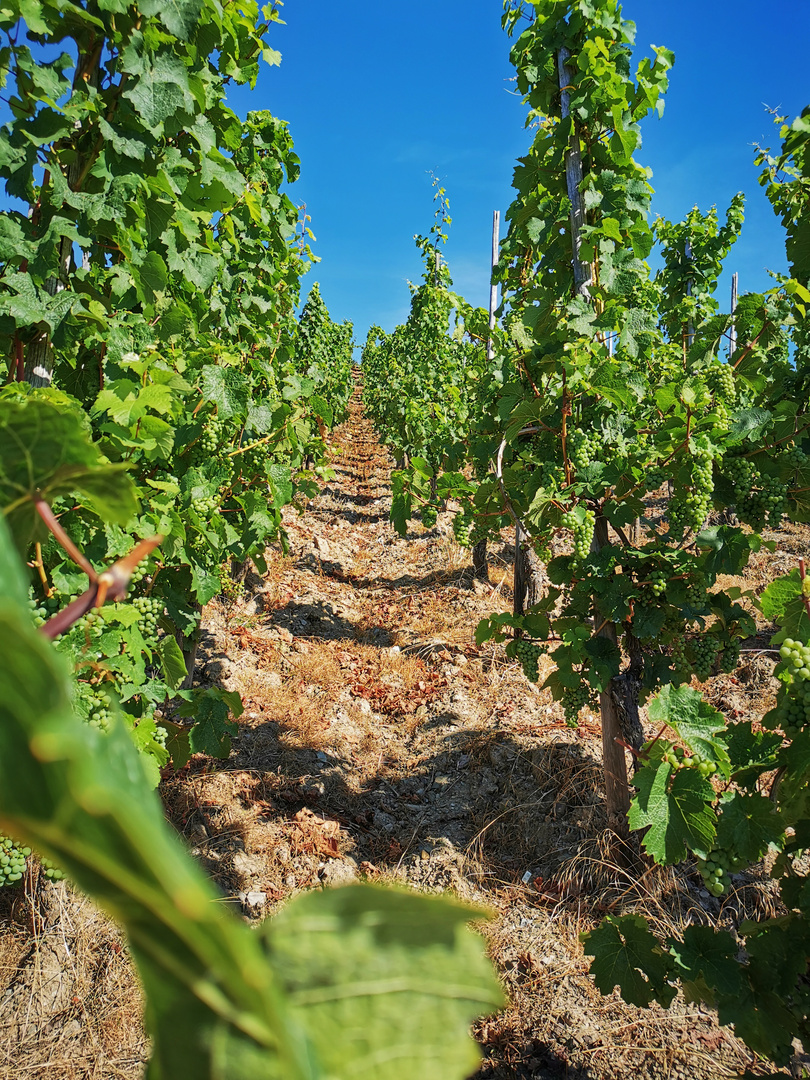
{"points": [[378, 741]]}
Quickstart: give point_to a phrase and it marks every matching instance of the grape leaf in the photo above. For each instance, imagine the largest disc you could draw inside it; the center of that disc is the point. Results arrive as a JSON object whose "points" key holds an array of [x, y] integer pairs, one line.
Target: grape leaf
{"points": [[708, 954], [628, 955], [695, 721], [675, 808], [780, 594], [752, 752], [367, 970], [45, 452], [213, 727], [762, 1021], [726, 549], [748, 823]]}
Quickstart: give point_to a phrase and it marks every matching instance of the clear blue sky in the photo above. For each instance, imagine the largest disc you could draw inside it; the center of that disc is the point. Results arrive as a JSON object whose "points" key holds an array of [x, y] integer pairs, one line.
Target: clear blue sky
{"points": [[378, 95]]}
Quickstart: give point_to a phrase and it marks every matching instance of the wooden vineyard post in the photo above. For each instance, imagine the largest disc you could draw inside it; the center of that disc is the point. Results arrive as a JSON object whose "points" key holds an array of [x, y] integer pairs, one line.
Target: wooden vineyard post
{"points": [[732, 333], [39, 358], [617, 793], [519, 581], [573, 177], [690, 326], [493, 285], [479, 551]]}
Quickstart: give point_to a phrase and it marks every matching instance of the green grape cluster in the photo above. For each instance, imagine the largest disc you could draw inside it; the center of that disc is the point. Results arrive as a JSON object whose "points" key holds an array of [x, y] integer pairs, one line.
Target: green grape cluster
{"points": [[462, 526], [792, 711], [98, 704], [139, 573], [252, 462], [655, 479], [680, 662], [730, 656], [150, 610], [529, 655], [583, 447], [658, 582], [53, 873], [42, 610], [205, 505], [690, 507], [429, 516], [553, 476], [704, 651], [226, 468], [211, 436], [91, 625], [716, 868], [12, 860], [720, 380], [583, 533], [795, 458], [479, 531], [161, 734], [758, 499], [723, 416], [697, 589], [574, 699]]}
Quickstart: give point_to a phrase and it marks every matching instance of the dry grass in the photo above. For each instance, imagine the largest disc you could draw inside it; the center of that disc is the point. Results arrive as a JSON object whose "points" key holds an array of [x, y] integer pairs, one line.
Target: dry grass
{"points": [[72, 1008]]}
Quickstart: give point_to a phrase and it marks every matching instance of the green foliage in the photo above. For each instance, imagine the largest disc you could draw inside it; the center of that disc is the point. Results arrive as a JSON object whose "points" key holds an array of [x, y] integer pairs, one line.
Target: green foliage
{"points": [[694, 251], [323, 353], [149, 276], [597, 394], [755, 978], [422, 385], [627, 954], [344, 980]]}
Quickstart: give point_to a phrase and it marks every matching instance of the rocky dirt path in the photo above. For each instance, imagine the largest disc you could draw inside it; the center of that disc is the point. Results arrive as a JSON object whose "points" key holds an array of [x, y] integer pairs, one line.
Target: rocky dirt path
{"points": [[379, 741]]}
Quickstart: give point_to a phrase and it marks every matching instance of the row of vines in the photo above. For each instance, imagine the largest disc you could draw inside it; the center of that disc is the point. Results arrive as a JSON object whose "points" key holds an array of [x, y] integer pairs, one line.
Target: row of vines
{"points": [[643, 442], [163, 404]]}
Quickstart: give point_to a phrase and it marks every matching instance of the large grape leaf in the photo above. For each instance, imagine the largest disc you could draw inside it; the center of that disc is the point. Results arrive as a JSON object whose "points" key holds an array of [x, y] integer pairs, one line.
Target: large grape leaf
{"points": [[46, 451], [748, 823], [709, 955], [782, 603], [697, 723], [389, 985], [675, 808], [628, 955]]}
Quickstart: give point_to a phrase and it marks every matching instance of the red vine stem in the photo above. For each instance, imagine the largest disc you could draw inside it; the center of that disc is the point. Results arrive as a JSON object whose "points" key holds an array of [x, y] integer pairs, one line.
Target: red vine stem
{"points": [[48, 516], [110, 584]]}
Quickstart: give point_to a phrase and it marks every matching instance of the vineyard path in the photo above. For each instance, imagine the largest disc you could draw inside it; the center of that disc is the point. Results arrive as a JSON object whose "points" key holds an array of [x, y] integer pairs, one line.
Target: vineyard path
{"points": [[379, 741]]}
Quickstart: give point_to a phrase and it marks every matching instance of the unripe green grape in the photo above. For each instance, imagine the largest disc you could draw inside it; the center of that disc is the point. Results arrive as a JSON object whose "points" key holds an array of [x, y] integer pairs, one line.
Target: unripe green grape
{"points": [[205, 506], [582, 532], [720, 380]]}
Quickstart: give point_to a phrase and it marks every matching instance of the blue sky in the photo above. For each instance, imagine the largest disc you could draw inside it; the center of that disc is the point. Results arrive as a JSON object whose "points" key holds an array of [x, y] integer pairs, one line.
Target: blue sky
{"points": [[379, 95]]}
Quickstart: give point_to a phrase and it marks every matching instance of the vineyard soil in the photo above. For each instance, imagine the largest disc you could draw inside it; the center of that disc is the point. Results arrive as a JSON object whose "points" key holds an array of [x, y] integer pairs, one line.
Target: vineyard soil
{"points": [[379, 741]]}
